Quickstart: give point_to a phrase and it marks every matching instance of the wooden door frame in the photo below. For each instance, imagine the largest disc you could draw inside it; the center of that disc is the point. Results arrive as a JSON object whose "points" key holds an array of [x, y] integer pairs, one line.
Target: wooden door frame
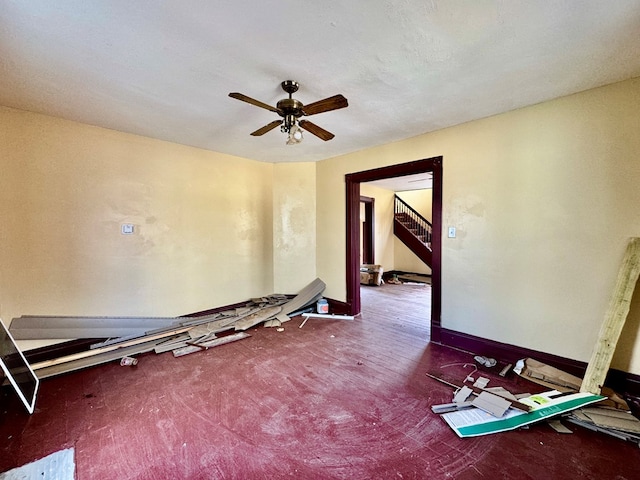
{"points": [[353, 181], [368, 240]]}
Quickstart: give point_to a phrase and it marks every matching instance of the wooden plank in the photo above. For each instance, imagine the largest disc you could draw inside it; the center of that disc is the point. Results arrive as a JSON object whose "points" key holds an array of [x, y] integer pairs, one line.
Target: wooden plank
{"points": [[307, 295], [98, 351], [256, 318], [192, 348], [92, 361], [614, 320], [519, 405]]}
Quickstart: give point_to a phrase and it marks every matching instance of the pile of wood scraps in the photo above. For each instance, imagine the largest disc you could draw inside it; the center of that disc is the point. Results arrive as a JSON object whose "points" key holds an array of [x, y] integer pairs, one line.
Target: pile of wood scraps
{"points": [[127, 336]]}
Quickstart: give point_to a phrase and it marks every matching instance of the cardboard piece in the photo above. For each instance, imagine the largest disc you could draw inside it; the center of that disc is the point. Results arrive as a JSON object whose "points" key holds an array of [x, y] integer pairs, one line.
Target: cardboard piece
{"points": [[462, 395], [481, 382], [490, 403], [371, 274], [616, 419], [546, 375], [577, 417], [558, 426]]}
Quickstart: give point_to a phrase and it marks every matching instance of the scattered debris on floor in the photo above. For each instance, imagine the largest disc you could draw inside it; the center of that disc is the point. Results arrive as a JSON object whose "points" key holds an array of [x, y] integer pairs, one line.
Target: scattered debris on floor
{"points": [[128, 362], [485, 361], [181, 335], [371, 275], [569, 395], [396, 277], [479, 409]]}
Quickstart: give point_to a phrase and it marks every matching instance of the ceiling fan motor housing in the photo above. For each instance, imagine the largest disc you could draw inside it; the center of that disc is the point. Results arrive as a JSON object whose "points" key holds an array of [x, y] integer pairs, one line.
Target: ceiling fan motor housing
{"points": [[290, 106]]}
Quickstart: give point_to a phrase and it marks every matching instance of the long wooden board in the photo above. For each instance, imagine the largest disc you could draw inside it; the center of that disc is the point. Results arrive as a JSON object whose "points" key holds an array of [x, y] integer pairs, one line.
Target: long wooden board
{"points": [[614, 320], [92, 361], [98, 351], [31, 327]]}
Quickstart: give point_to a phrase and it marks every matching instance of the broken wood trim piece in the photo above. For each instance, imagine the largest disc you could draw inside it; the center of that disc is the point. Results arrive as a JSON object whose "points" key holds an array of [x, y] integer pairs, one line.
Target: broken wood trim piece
{"points": [[505, 370], [192, 348], [172, 343], [515, 404], [614, 320], [256, 318], [94, 360], [97, 351], [450, 407]]}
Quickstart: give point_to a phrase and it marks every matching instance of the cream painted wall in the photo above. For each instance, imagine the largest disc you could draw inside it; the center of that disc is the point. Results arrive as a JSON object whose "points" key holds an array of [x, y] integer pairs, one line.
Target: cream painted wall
{"points": [[203, 223], [405, 259], [544, 199], [294, 225], [383, 217], [420, 200]]}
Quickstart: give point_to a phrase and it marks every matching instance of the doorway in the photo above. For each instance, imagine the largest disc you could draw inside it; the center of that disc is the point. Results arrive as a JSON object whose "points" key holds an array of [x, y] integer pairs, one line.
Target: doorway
{"points": [[353, 181], [367, 230]]}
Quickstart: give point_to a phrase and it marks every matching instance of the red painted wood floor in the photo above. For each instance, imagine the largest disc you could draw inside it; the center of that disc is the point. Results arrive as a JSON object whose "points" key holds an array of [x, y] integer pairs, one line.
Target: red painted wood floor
{"points": [[333, 400]]}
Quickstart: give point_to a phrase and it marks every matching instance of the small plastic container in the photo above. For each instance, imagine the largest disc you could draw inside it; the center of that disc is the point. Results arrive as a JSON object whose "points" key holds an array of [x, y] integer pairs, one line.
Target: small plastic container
{"points": [[322, 306]]}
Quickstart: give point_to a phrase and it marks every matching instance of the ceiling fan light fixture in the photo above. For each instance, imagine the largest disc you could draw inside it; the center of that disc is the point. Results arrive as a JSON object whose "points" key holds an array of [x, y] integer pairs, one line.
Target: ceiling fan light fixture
{"points": [[295, 135]]}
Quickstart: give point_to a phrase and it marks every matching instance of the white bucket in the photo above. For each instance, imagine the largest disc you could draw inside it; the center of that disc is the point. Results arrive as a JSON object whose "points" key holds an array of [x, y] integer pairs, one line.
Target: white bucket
{"points": [[322, 306]]}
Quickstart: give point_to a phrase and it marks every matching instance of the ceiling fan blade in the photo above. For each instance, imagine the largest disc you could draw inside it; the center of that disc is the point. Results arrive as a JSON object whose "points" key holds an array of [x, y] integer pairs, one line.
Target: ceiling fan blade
{"points": [[253, 101], [316, 130], [326, 105], [266, 128]]}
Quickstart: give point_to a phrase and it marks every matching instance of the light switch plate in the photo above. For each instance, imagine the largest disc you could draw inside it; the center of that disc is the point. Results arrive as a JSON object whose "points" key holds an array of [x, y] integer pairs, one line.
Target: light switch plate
{"points": [[127, 229], [452, 232]]}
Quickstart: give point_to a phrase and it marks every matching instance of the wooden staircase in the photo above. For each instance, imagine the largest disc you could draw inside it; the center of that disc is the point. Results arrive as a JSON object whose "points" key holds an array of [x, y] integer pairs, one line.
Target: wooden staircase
{"points": [[413, 230]]}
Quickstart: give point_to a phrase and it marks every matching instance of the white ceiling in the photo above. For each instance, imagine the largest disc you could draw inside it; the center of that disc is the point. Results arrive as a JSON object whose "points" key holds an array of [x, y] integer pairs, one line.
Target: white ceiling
{"points": [[164, 69], [418, 181]]}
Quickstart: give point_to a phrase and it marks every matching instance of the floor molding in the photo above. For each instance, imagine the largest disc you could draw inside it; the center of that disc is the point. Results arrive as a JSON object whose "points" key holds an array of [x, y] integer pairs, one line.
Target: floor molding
{"points": [[621, 382]]}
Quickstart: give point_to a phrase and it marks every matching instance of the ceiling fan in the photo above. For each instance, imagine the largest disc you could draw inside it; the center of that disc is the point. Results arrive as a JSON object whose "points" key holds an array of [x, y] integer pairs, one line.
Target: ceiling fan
{"points": [[291, 110]]}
